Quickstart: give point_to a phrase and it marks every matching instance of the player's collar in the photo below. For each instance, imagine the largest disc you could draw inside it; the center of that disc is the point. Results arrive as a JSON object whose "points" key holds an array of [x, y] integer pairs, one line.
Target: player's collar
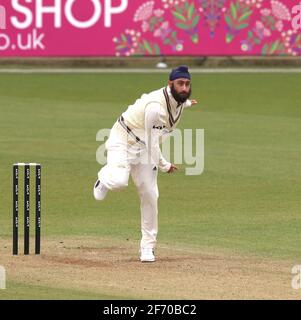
{"points": [[169, 101], [173, 102]]}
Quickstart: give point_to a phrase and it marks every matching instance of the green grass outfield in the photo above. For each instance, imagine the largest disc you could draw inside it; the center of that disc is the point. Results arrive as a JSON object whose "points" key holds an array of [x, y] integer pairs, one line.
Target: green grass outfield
{"points": [[247, 200]]}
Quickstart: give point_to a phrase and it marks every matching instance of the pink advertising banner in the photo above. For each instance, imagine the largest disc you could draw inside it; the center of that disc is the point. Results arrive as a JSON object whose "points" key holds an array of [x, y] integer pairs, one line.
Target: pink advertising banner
{"points": [[154, 27]]}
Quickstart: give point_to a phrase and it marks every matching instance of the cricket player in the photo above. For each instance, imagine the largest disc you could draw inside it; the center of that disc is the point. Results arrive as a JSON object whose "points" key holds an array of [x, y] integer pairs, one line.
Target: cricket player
{"points": [[133, 148]]}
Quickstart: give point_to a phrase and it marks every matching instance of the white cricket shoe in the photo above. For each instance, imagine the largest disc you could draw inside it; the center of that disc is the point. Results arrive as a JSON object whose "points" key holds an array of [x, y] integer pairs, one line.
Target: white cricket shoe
{"points": [[147, 255], [100, 191]]}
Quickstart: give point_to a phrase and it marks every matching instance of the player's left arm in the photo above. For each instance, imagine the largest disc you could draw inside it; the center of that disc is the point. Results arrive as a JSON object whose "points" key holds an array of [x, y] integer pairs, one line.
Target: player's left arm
{"points": [[190, 103]]}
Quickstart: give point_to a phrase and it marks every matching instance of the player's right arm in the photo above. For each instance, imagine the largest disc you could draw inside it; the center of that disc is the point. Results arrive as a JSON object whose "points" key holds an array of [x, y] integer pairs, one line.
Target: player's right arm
{"points": [[152, 122]]}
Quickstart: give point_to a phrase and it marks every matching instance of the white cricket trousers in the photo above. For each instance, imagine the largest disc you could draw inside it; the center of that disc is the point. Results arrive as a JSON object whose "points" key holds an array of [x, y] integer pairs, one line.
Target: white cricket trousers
{"points": [[123, 160]]}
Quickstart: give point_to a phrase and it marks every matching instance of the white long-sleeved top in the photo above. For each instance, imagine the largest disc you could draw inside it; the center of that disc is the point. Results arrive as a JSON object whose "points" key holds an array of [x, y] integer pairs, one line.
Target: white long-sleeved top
{"points": [[150, 117], [153, 129]]}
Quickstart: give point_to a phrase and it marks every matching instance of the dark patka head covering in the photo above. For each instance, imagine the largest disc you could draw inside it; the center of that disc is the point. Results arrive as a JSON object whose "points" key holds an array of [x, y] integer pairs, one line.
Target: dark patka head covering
{"points": [[179, 72]]}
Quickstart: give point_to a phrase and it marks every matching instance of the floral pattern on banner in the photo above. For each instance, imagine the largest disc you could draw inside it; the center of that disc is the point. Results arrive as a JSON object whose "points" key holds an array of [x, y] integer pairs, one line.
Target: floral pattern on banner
{"points": [[200, 27]]}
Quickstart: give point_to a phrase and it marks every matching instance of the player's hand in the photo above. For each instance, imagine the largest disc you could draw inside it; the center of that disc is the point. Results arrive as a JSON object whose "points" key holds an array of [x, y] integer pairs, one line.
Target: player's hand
{"points": [[194, 102], [172, 169]]}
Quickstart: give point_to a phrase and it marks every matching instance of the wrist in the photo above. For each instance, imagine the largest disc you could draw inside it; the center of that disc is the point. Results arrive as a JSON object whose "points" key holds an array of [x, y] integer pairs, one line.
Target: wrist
{"points": [[166, 167]]}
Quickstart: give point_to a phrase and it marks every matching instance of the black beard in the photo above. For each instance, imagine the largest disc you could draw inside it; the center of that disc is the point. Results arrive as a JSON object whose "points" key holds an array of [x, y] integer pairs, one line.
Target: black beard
{"points": [[180, 97]]}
